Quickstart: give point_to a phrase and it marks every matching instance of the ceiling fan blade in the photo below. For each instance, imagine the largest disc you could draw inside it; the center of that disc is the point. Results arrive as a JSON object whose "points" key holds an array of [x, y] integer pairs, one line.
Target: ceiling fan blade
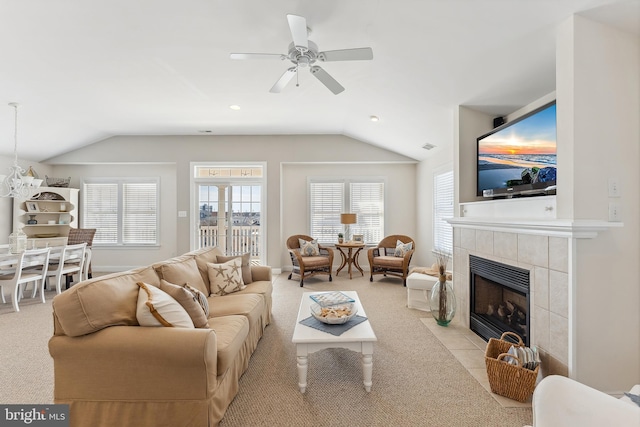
{"points": [[327, 80], [298, 26], [359, 54], [257, 56], [283, 80]]}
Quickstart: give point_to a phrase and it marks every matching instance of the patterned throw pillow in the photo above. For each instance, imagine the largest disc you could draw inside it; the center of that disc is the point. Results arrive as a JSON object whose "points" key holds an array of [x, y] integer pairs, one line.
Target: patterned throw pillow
{"points": [[309, 248], [188, 300], [402, 248], [247, 277], [225, 278], [157, 308], [199, 297]]}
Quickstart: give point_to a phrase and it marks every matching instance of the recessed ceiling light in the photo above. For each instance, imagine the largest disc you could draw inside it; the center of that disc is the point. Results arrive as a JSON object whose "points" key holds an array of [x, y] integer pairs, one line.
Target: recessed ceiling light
{"points": [[205, 131], [234, 107], [374, 118]]}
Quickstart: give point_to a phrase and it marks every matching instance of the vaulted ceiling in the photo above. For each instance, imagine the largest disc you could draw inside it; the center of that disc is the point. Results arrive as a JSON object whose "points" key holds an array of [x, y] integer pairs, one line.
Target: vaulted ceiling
{"points": [[85, 70]]}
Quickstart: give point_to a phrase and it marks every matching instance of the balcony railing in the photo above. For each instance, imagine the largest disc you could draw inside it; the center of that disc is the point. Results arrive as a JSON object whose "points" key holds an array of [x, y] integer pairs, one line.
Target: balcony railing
{"points": [[243, 239]]}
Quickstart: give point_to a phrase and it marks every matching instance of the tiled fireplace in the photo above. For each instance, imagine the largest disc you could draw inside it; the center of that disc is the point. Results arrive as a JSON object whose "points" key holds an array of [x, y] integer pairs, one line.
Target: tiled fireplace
{"points": [[546, 260]]}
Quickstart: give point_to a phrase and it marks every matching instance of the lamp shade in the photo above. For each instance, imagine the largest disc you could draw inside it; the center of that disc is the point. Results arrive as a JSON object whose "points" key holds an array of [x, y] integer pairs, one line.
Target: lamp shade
{"points": [[347, 218]]}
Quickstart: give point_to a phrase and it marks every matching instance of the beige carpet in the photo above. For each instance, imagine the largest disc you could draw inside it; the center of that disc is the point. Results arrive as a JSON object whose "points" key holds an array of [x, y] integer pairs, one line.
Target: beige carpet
{"points": [[416, 380]]}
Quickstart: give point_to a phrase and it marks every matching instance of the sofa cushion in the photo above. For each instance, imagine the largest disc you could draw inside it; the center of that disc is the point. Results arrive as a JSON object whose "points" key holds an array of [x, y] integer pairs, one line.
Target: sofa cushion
{"points": [[231, 332], [157, 308], [246, 265], [104, 301], [189, 299], [203, 256], [251, 306], [182, 269], [225, 278]]}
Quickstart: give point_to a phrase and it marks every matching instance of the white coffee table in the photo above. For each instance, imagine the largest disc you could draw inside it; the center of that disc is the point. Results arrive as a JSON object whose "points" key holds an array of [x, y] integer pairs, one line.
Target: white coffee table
{"points": [[308, 340]]}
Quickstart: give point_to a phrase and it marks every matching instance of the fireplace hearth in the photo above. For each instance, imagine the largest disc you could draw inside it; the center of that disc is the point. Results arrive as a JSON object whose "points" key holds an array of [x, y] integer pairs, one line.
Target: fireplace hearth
{"points": [[499, 299]]}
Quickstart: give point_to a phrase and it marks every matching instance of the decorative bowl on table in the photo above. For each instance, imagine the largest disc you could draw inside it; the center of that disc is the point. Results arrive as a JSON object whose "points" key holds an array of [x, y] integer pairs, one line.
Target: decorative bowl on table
{"points": [[334, 314]]}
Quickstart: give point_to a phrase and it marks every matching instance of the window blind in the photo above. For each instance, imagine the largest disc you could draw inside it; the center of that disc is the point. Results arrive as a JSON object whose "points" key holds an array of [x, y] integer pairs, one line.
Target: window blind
{"points": [[442, 208], [329, 199], [326, 201], [123, 212], [367, 202]]}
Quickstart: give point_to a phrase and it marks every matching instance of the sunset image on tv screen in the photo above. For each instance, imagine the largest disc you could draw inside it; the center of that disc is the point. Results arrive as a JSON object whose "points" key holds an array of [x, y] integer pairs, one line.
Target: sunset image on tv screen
{"points": [[524, 151]]}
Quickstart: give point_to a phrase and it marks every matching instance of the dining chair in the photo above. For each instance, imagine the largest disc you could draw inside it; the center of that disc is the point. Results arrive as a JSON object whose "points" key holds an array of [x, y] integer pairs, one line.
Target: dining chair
{"points": [[30, 267], [82, 235], [66, 260]]}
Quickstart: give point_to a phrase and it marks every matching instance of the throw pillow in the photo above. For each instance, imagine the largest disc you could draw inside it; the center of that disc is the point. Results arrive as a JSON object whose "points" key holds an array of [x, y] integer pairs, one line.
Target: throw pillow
{"points": [[402, 248], [188, 301], [246, 265], [309, 248], [200, 297], [157, 308], [225, 278]]}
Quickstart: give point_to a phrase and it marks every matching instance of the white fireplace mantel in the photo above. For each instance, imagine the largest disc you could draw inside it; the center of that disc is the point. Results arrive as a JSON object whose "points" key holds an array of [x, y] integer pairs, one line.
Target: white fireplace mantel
{"points": [[533, 215], [578, 229]]}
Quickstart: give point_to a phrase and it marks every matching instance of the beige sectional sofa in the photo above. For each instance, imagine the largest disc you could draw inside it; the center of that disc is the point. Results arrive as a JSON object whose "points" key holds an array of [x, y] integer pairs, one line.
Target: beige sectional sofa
{"points": [[114, 372]]}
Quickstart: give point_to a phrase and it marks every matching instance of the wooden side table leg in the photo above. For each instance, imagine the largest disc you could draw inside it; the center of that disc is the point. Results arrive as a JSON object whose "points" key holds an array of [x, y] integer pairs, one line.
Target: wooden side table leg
{"points": [[356, 263], [344, 260]]}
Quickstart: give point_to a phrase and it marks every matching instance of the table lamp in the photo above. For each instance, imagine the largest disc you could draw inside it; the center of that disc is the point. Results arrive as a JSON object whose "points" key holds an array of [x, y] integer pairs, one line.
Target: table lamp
{"points": [[346, 219]]}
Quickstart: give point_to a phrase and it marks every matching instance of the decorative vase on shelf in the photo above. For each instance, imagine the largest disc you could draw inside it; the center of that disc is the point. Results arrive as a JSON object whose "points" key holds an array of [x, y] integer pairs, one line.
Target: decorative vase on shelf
{"points": [[443, 300], [32, 220]]}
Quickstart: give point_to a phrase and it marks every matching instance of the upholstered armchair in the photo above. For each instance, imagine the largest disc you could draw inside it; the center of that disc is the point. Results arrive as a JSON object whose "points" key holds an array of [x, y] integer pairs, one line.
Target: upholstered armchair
{"points": [[388, 259], [306, 262]]}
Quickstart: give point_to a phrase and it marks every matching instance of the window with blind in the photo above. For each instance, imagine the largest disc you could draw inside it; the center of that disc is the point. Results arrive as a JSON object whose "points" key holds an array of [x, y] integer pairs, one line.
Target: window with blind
{"points": [[328, 199], [442, 208], [123, 211]]}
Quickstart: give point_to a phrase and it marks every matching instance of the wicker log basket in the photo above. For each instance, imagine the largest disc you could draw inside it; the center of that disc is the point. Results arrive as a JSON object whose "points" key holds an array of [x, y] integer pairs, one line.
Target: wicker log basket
{"points": [[505, 379]]}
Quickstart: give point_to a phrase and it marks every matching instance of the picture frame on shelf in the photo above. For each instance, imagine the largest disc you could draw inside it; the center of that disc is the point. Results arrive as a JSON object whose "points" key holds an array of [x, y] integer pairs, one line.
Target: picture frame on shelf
{"points": [[32, 206], [358, 238]]}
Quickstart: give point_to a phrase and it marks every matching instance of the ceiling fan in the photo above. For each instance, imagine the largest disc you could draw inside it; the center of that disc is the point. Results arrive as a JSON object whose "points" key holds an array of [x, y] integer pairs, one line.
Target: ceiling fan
{"points": [[303, 53]]}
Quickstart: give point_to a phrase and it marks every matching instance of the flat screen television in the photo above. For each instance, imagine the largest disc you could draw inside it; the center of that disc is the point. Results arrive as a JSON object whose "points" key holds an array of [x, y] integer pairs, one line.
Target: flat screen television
{"points": [[518, 158]]}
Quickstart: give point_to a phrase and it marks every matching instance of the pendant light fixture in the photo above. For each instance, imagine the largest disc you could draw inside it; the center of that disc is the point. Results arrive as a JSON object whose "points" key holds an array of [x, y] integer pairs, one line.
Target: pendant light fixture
{"points": [[16, 184]]}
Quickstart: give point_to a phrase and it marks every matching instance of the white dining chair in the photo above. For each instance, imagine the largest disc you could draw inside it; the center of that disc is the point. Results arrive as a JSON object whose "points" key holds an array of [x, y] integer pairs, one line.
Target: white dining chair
{"points": [[30, 267], [65, 260]]}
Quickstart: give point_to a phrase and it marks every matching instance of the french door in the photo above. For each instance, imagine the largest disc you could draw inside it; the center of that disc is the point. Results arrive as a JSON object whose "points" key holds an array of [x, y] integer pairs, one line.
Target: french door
{"points": [[229, 217]]}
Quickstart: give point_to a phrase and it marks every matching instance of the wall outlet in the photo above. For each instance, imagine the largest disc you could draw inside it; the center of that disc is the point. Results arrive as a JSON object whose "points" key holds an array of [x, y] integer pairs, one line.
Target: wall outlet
{"points": [[614, 187], [614, 212]]}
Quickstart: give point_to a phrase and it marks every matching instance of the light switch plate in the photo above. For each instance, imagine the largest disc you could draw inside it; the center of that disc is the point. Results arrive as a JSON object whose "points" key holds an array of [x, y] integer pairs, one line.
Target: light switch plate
{"points": [[182, 214]]}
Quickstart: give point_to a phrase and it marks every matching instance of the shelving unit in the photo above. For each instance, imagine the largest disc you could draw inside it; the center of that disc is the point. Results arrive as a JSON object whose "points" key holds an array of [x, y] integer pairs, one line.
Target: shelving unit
{"points": [[54, 211]]}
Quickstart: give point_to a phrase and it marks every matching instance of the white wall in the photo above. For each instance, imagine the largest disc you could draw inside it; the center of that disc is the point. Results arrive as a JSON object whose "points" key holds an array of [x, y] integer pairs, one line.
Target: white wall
{"points": [[598, 91], [470, 124], [125, 258], [440, 161], [127, 152], [400, 195], [6, 204]]}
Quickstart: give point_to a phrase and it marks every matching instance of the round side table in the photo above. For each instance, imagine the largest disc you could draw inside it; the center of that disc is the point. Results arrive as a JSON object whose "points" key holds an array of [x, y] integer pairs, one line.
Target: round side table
{"points": [[349, 252]]}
